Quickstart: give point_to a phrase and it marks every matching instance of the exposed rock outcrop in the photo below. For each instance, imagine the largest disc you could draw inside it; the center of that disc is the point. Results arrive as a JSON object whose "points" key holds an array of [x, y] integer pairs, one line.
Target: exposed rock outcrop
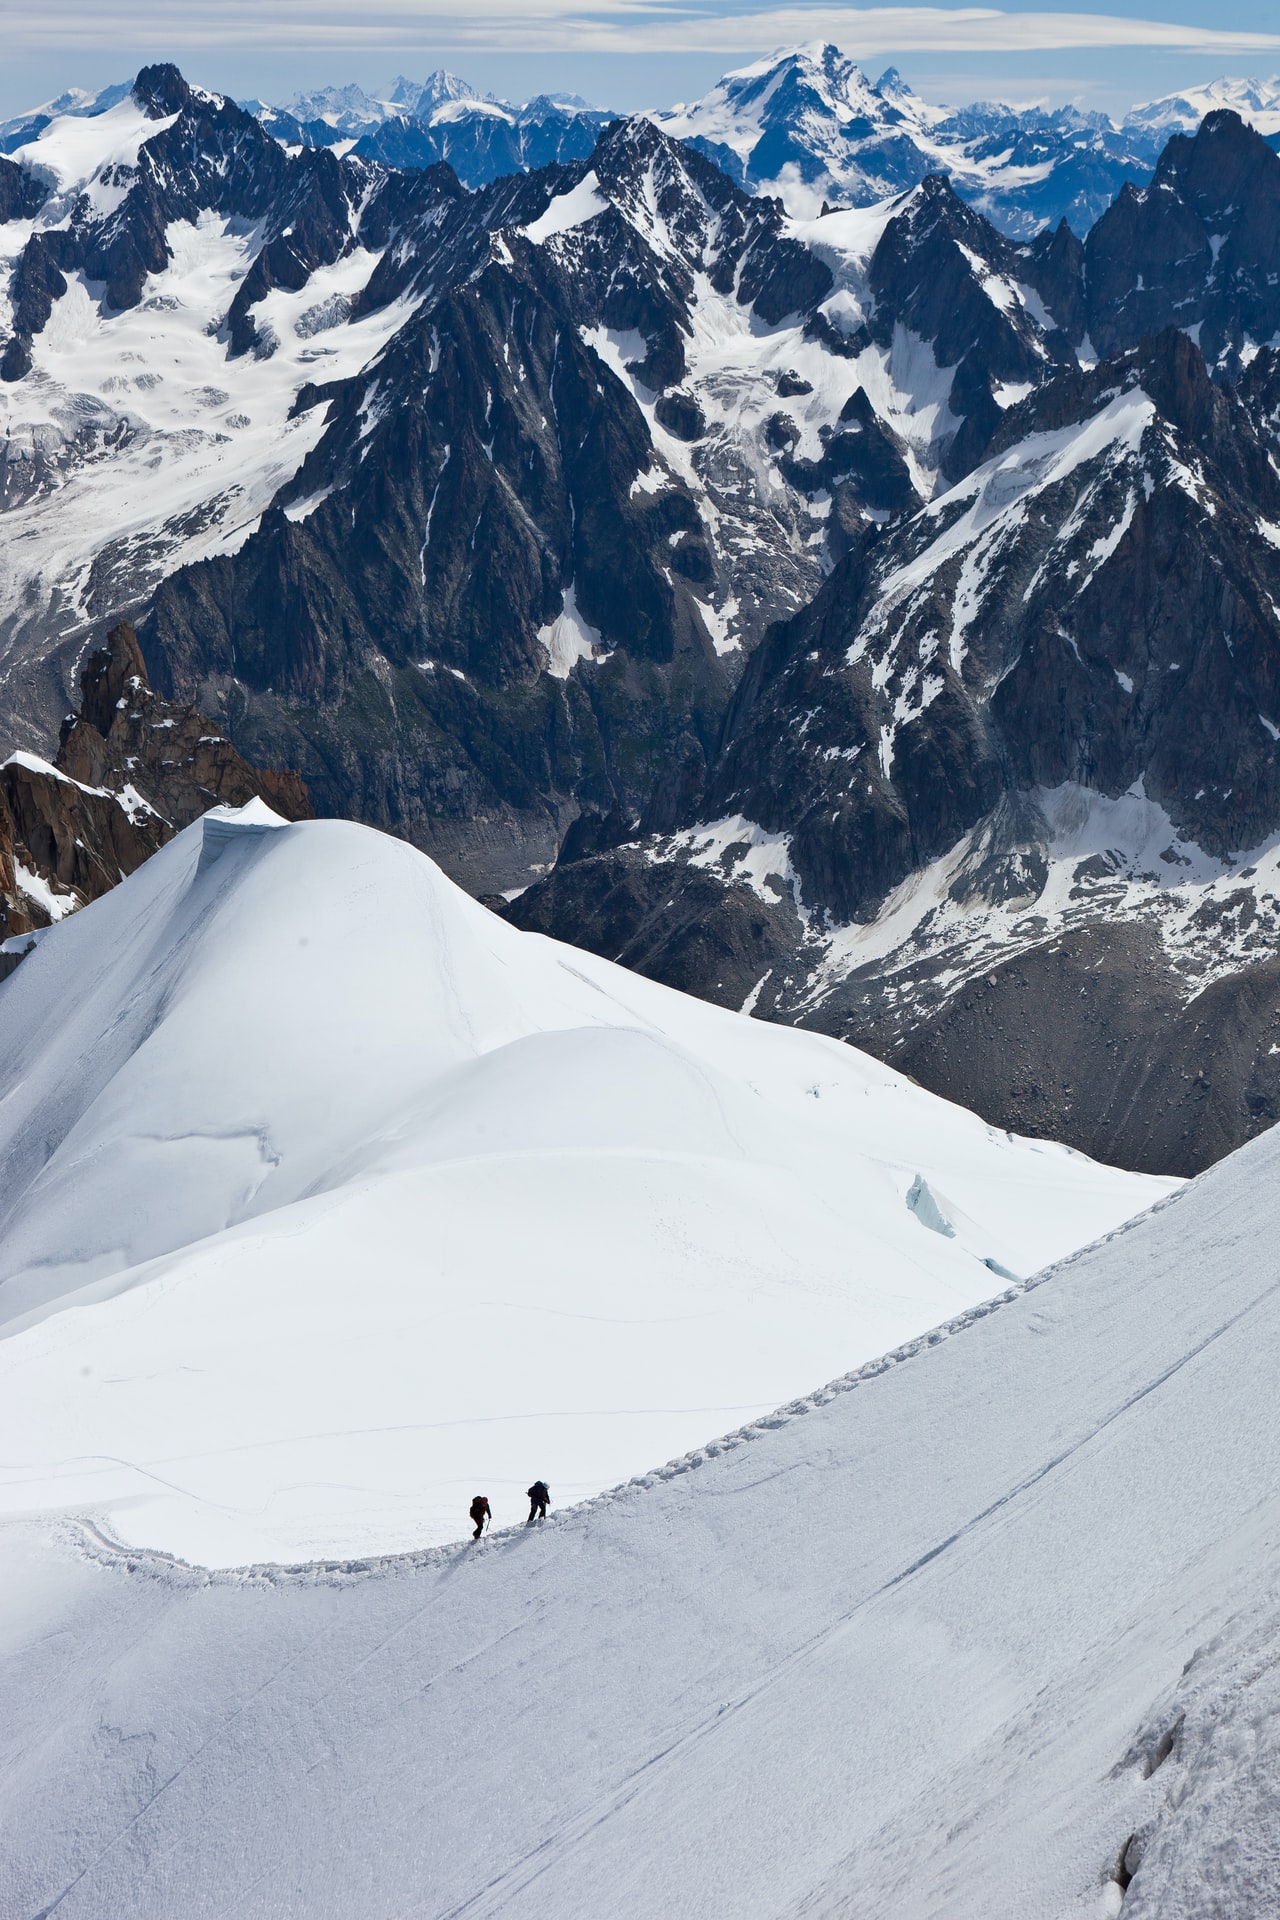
{"points": [[130, 772], [1199, 248], [1003, 804]]}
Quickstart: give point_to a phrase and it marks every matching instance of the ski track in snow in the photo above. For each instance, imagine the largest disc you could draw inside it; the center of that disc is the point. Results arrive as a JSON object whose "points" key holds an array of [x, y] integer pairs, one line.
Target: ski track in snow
{"points": [[910, 1644]]}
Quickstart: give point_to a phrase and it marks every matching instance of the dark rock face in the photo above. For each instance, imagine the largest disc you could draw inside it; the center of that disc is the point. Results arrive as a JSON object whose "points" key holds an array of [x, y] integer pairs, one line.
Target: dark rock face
{"points": [[125, 735], [130, 772], [1093, 612], [67, 844], [911, 736], [1199, 248], [862, 458], [21, 193], [481, 146], [492, 470], [923, 277], [388, 644], [685, 925], [1092, 1040]]}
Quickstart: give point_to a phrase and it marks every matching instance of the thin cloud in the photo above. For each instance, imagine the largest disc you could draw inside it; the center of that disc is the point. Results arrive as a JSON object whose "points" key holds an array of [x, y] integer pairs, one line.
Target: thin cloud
{"points": [[590, 26]]}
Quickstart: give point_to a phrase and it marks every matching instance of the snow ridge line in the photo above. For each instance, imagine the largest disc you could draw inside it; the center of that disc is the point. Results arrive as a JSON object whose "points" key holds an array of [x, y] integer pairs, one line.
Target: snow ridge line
{"points": [[89, 1538], [517, 1878]]}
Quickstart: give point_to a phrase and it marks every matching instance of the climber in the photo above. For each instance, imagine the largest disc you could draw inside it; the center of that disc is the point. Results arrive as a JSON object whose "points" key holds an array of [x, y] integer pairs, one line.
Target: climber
{"points": [[539, 1495], [480, 1514]]}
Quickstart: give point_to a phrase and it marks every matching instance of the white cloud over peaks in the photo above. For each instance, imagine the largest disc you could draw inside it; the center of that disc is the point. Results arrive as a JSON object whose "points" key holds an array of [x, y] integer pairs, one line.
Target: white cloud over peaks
{"points": [[590, 26]]}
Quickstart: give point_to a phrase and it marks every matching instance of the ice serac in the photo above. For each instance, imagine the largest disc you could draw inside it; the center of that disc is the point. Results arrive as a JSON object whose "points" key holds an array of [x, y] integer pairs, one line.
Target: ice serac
{"points": [[987, 1627], [368, 1208]]}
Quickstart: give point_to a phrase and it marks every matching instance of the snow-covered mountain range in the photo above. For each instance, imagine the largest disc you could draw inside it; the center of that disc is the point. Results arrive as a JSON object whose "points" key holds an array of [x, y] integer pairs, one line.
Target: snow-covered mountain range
{"points": [[985, 1627], [421, 123], [1039, 706], [629, 474], [805, 123], [474, 508], [489, 1206], [809, 125]]}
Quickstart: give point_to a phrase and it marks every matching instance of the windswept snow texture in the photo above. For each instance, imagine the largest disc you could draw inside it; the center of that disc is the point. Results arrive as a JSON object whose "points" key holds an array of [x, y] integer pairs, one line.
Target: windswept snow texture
{"points": [[315, 1225], [981, 1631]]}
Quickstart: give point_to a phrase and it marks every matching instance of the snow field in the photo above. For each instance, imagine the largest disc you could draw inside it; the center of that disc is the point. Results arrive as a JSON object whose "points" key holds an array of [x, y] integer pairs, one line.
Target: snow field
{"points": [[317, 1222], [947, 1640]]}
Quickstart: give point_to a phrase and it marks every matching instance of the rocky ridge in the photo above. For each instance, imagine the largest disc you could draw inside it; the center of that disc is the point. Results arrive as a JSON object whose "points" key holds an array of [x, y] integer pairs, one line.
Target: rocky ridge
{"points": [[131, 770], [519, 571], [1002, 804]]}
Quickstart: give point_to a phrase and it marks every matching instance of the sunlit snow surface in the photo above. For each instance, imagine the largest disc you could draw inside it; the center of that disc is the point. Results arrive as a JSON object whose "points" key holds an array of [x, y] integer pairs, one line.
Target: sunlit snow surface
{"points": [[945, 1642], [330, 1200]]}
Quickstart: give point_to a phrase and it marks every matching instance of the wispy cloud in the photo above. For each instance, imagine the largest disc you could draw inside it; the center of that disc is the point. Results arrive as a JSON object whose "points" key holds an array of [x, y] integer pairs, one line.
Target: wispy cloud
{"points": [[591, 26]]}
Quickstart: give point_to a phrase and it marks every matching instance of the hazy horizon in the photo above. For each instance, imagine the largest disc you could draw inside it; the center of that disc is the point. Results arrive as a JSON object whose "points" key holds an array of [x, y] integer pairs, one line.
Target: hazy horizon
{"points": [[602, 81]]}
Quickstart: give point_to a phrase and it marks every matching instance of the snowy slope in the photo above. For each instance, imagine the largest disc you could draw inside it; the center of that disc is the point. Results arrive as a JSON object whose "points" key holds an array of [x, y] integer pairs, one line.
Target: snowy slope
{"points": [[956, 1637], [306, 1231], [23, 127]]}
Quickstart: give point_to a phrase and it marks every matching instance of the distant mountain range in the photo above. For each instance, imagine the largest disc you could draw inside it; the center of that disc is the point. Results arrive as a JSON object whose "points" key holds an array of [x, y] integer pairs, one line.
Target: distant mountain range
{"points": [[866, 618], [805, 124]]}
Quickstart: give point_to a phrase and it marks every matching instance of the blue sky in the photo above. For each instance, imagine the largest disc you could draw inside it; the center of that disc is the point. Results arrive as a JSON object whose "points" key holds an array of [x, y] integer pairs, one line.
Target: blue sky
{"points": [[631, 53]]}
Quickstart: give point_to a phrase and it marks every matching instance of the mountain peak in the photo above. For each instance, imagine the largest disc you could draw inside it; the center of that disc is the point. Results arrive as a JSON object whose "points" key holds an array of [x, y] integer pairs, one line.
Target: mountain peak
{"points": [[1257, 101], [892, 85], [437, 90], [161, 91]]}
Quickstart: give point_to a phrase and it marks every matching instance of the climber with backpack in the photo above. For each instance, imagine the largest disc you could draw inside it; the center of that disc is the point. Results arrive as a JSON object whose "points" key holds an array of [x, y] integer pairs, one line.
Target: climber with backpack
{"points": [[480, 1514], [539, 1495]]}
